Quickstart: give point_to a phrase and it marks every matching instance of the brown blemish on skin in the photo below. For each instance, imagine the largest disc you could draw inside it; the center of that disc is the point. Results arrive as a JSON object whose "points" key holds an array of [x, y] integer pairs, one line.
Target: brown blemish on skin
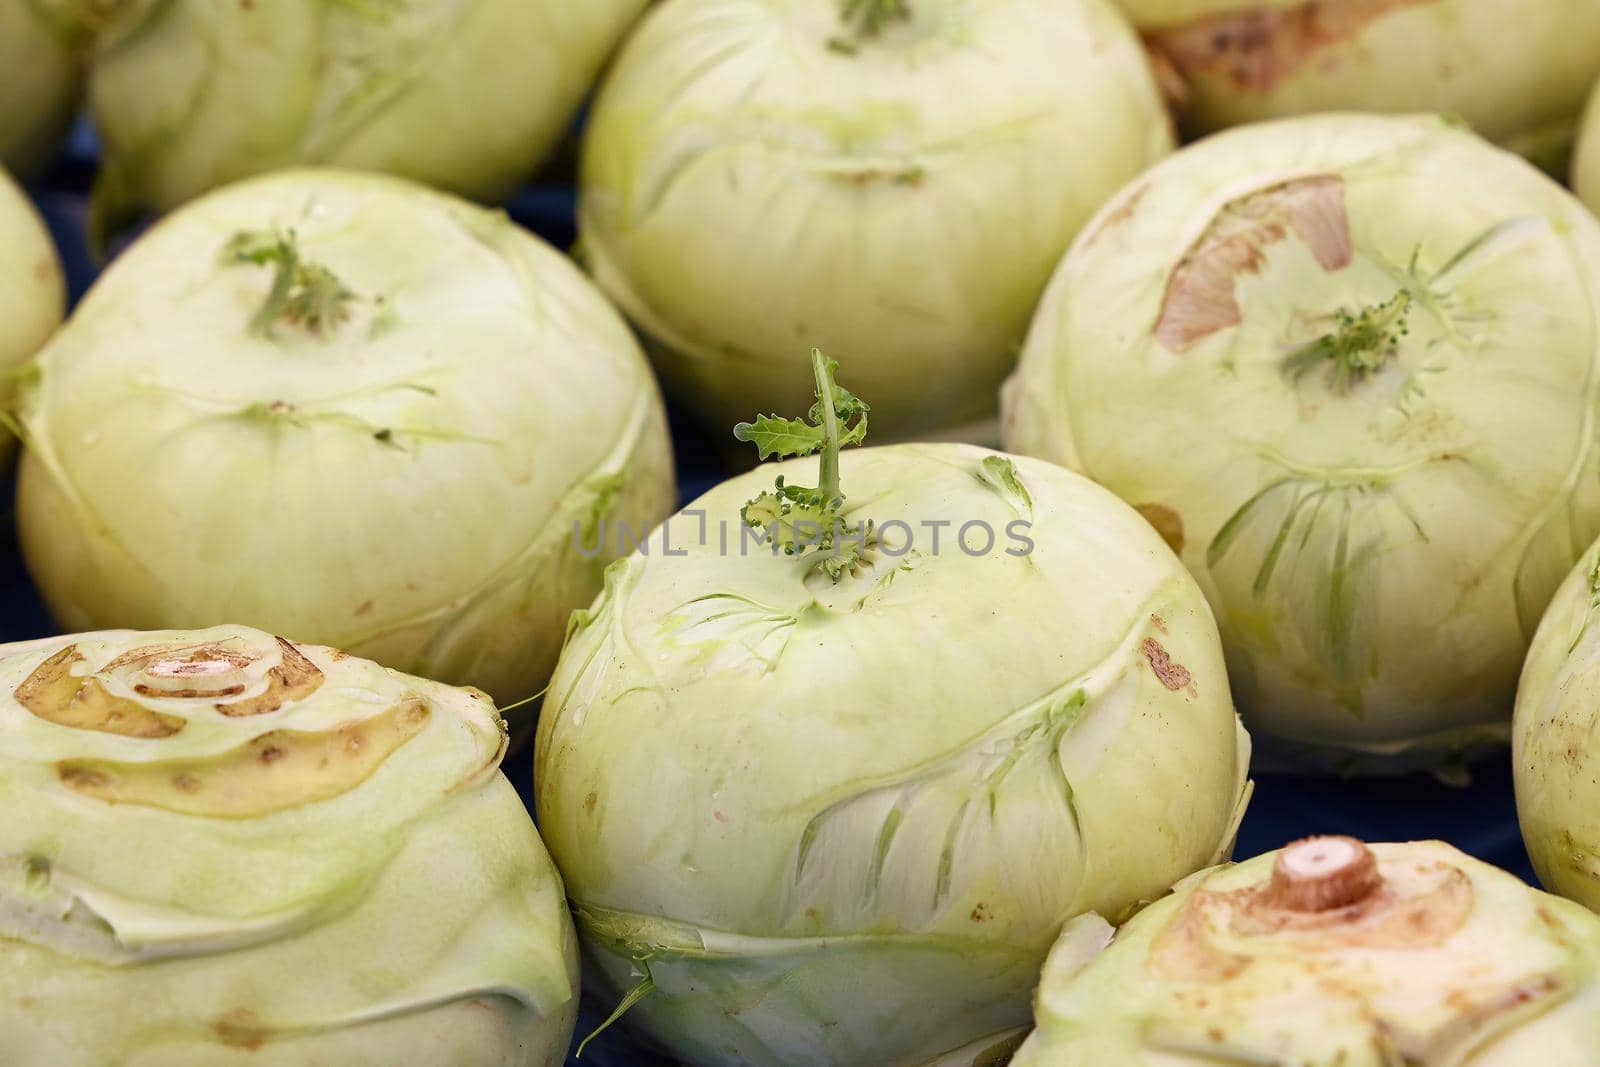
{"points": [[53, 693], [1174, 676], [365, 608], [1167, 523], [273, 772], [1159, 623], [241, 1029], [294, 679], [1200, 298], [590, 801], [1258, 48]]}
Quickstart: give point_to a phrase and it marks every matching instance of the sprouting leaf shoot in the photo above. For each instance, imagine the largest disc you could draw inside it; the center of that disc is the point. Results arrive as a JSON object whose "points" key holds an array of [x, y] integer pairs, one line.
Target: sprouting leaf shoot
{"points": [[303, 294], [796, 517]]}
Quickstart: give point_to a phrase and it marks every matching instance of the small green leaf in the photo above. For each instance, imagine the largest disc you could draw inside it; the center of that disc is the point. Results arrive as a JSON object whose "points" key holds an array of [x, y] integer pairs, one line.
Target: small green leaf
{"points": [[775, 436], [1000, 474]]}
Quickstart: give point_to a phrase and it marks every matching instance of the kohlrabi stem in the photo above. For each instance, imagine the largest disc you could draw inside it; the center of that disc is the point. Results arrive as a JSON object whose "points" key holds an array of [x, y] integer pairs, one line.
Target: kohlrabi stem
{"points": [[302, 294], [830, 429]]}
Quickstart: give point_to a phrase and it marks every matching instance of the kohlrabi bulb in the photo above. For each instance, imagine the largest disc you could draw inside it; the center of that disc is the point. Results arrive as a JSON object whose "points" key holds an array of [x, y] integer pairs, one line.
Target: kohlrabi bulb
{"points": [[1348, 366], [224, 848], [1586, 165], [41, 42], [1517, 72], [833, 807], [891, 180], [349, 408], [32, 291], [1556, 767], [1329, 953], [466, 95]]}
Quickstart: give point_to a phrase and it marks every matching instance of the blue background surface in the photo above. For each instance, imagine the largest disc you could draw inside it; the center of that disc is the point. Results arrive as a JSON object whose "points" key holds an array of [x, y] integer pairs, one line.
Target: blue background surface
{"points": [[1479, 818]]}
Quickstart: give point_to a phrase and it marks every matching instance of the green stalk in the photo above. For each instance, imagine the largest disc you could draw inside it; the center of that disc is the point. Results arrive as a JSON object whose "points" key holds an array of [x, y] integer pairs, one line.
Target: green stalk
{"points": [[830, 430]]}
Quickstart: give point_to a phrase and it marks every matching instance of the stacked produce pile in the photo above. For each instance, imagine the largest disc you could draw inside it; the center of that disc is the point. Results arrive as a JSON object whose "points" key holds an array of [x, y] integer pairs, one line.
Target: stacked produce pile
{"points": [[898, 750]]}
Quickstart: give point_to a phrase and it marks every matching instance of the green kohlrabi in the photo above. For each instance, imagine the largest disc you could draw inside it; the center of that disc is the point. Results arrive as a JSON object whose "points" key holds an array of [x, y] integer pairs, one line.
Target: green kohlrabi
{"points": [[466, 95], [1516, 71], [1586, 166], [346, 407], [891, 179], [1348, 366], [224, 848], [1329, 953], [41, 50], [1556, 766], [32, 289], [837, 752]]}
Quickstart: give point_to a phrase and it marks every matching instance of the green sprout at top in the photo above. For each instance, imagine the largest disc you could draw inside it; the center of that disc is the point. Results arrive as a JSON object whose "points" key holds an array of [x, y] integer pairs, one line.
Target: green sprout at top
{"points": [[798, 517]]}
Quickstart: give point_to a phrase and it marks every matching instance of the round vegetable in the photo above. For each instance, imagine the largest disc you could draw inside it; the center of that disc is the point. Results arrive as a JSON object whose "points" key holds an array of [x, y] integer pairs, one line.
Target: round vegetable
{"points": [[1586, 166], [227, 848], [890, 179], [1347, 365], [832, 806], [39, 45], [467, 95], [1329, 954], [1557, 711], [342, 406], [1247, 60], [32, 290]]}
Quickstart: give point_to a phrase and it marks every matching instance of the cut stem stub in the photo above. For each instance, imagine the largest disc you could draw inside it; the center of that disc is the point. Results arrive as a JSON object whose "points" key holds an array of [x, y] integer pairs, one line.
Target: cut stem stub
{"points": [[1319, 874]]}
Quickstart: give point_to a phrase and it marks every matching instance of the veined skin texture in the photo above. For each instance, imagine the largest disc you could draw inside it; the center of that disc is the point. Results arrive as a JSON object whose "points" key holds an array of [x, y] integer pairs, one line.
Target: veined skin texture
{"points": [[223, 848], [1348, 365], [756, 182], [408, 484], [841, 823], [1451, 961], [466, 95], [1517, 72]]}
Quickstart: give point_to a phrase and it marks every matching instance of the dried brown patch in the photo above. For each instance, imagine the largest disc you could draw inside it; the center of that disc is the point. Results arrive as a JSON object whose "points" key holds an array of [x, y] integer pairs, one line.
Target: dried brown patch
{"points": [[590, 801], [276, 771], [1168, 523], [1173, 675], [1256, 49], [241, 1029], [53, 693], [1200, 298], [365, 608], [294, 679]]}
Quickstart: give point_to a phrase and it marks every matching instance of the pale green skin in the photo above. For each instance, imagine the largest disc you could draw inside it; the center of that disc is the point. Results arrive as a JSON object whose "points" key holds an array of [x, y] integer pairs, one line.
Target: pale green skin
{"points": [[159, 487], [915, 730], [411, 921], [1424, 519], [748, 192], [1558, 708], [466, 95], [1586, 165], [1319, 1001], [33, 293], [39, 93], [1516, 71]]}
